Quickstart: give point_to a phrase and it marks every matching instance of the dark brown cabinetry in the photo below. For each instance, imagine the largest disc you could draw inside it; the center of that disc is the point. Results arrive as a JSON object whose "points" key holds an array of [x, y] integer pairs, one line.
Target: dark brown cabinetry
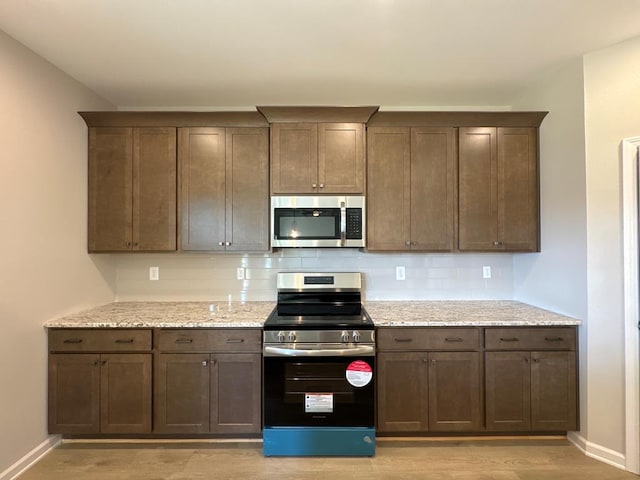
{"points": [[317, 158], [98, 383], [132, 189], [498, 189], [224, 189], [411, 188], [208, 381], [429, 379], [530, 380]]}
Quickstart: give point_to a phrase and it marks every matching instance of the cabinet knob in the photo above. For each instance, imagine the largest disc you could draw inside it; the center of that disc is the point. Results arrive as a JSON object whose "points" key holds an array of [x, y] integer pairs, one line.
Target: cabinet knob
{"points": [[128, 244], [227, 243], [205, 363], [433, 361], [408, 243], [314, 185], [221, 244], [414, 243], [322, 185]]}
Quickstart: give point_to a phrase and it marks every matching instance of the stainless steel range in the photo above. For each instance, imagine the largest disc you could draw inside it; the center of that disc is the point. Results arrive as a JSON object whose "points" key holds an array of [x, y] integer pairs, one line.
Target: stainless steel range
{"points": [[319, 368]]}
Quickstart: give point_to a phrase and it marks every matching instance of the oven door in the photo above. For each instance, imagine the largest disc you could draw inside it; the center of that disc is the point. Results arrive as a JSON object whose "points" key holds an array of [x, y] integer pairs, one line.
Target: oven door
{"points": [[316, 227], [324, 391]]}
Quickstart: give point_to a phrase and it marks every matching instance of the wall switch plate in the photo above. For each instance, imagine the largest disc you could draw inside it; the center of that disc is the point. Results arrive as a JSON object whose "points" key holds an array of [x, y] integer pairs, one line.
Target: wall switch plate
{"points": [[154, 273], [400, 273], [240, 273], [486, 272]]}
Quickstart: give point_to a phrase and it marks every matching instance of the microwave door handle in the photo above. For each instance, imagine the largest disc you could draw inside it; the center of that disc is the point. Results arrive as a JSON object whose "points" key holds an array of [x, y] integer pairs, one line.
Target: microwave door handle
{"points": [[343, 224]]}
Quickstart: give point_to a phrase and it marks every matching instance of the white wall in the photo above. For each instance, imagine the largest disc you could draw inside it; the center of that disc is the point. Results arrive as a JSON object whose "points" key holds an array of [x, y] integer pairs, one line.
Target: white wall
{"points": [[612, 112], [556, 278], [213, 277], [44, 269]]}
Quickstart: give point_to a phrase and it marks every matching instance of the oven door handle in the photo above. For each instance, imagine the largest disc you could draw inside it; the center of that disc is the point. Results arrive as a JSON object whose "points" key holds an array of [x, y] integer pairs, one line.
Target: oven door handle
{"points": [[367, 350]]}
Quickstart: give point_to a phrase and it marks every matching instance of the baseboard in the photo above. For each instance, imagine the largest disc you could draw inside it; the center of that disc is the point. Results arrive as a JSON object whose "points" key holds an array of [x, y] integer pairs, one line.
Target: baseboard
{"points": [[595, 451], [30, 458]]}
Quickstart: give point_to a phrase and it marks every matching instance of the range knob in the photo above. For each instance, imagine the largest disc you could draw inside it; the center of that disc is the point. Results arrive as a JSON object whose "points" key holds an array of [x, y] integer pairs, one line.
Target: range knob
{"points": [[344, 336], [356, 336], [281, 337], [292, 336]]}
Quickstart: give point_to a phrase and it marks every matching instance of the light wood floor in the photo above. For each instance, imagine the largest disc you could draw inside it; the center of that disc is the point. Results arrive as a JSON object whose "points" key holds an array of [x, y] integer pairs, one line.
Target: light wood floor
{"points": [[450, 459]]}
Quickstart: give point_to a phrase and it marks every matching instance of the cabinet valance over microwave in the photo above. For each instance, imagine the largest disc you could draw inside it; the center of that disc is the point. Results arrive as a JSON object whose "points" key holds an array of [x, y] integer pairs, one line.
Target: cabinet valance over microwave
{"points": [[318, 221]]}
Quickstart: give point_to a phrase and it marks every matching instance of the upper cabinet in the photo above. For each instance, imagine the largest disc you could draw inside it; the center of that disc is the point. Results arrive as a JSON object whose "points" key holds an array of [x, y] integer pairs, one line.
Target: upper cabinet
{"points": [[498, 184], [411, 188], [224, 190], [434, 177], [133, 186], [317, 150], [317, 158], [132, 189]]}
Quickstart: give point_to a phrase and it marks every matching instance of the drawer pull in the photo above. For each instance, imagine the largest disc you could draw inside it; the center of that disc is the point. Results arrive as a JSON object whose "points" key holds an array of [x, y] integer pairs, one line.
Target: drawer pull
{"points": [[554, 339], [124, 340], [509, 339], [403, 340], [454, 339], [72, 340], [184, 340], [234, 340]]}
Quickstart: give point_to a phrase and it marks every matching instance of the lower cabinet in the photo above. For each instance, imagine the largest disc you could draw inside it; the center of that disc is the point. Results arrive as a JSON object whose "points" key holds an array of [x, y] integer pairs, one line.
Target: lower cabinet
{"points": [[420, 390], [188, 381], [99, 393], [208, 393], [431, 379], [531, 391], [208, 381]]}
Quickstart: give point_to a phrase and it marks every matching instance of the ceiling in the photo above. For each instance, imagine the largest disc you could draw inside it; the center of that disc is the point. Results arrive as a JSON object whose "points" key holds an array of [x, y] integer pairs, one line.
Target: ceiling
{"points": [[235, 53]]}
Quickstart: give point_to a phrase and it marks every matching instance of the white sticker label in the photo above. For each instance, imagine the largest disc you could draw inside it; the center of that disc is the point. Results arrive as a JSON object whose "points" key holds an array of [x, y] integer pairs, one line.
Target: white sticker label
{"points": [[359, 373], [318, 402]]}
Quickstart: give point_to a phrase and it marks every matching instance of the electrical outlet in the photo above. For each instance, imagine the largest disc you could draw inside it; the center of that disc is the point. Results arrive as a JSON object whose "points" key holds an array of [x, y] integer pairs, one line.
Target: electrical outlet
{"points": [[154, 273], [486, 272], [400, 273], [240, 273]]}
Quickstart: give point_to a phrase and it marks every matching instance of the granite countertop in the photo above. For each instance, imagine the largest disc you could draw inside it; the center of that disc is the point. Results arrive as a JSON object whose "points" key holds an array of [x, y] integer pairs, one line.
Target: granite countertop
{"points": [[463, 313], [253, 314], [169, 315]]}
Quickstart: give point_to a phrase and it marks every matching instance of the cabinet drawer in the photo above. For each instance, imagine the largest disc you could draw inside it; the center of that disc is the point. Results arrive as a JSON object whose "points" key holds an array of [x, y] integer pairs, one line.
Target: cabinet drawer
{"points": [[211, 340], [538, 338], [103, 340], [428, 339]]}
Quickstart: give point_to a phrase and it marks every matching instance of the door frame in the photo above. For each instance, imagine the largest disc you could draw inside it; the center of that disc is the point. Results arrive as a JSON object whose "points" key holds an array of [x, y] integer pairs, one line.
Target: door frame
{"points": [[630, 148]]}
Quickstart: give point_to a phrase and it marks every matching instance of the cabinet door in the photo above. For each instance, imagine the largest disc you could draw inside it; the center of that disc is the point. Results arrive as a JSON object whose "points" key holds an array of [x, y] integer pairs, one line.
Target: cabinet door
{"points": [[518, 189], [478, 189], [202, 188], [553, 391], [74, 393], [388, 189], [236, 393], [247, 189], [433, 193], [508, 391], [110, 189], [181, 398], [455, 392], [125, 391], [154, 189], [402, 392], [341, 158], [294, 158]]}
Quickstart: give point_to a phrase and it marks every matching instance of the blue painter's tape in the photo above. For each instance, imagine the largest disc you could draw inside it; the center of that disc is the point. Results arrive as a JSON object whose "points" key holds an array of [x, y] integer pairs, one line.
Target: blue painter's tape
{"points": [[319, 441]]}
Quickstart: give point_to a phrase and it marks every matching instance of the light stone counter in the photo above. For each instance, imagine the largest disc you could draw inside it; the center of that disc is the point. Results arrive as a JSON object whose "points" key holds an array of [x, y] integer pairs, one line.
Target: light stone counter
{"points": [[169, 315], [253, 315], [463, 313]]}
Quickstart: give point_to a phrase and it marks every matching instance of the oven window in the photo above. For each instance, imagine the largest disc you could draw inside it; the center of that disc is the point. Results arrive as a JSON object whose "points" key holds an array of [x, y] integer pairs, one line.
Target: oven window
{"points": [[303, 223], [315, 392]]}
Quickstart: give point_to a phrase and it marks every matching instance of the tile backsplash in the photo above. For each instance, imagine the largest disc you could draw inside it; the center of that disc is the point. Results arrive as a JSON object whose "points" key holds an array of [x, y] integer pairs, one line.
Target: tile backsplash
{"points": [[194, 277]]}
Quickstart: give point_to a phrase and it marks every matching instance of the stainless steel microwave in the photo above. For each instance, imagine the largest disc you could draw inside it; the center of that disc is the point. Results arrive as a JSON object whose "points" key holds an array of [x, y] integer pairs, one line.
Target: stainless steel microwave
{"points": [[318, 221]]}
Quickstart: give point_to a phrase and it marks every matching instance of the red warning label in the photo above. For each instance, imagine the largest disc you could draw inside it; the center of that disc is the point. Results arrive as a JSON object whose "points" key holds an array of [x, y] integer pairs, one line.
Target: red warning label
{"points": [[359, 373]]}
